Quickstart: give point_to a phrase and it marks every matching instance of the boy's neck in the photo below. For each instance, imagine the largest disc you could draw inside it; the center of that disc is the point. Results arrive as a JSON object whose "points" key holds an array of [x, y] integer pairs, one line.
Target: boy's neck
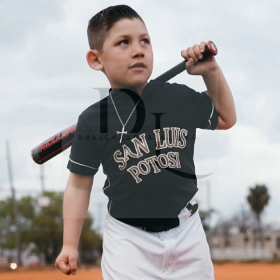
{"points": [[139, 90]]}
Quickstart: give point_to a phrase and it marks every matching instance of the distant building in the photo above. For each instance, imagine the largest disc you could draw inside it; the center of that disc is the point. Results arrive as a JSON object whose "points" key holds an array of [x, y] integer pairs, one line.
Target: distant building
{"points": [[27, 258], [3, 260], [241, 246]]}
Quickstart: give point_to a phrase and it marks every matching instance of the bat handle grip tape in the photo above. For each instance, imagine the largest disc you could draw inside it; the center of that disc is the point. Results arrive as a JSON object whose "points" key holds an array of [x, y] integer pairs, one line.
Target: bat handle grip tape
{"points": [[210, 49]]}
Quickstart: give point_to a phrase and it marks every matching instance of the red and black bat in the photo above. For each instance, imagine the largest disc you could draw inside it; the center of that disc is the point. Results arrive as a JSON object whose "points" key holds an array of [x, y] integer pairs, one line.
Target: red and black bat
{"points": [[63, 139]]}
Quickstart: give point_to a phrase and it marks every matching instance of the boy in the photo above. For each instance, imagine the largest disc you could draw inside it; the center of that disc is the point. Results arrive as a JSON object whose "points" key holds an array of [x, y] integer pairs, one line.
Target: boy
{"points": [[143, 134]]}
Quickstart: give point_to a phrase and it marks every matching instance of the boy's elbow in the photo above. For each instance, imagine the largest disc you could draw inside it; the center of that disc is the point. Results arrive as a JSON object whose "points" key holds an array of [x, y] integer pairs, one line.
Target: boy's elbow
{"points": [[222, 125], [231, 124]]}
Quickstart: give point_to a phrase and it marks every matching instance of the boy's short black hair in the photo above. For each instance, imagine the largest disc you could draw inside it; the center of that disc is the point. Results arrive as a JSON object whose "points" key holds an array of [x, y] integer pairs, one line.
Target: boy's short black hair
{"points": [[100, 24]]}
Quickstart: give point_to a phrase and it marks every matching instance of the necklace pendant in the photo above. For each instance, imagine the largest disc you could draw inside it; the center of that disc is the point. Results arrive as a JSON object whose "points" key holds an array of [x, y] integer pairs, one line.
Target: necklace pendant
{"points": [[122, 132]]}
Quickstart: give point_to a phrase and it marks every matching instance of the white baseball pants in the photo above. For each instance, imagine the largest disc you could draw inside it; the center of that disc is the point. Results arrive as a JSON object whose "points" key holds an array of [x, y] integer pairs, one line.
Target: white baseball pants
{"points": [[181, 253]]}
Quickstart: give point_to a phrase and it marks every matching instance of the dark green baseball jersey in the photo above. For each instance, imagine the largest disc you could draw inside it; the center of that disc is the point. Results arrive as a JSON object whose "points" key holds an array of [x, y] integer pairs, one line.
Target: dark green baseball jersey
{"points": [[151, 173]]}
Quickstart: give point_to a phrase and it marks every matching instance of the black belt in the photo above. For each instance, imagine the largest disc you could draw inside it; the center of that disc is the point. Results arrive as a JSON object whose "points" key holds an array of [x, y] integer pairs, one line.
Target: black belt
{"points": [[172, 224]]}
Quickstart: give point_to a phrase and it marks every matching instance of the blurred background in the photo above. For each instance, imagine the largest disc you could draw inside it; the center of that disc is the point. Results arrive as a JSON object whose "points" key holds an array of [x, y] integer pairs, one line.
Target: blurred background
{"points": [[46, 83]]}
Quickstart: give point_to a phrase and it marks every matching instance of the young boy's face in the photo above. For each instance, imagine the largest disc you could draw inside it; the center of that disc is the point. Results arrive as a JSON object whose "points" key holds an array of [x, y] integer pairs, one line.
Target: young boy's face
{"points": [[121, 52]]}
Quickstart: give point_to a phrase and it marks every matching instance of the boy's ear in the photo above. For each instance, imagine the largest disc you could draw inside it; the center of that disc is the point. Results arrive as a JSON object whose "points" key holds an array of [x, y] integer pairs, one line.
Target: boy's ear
{"points": [[93, 60]]}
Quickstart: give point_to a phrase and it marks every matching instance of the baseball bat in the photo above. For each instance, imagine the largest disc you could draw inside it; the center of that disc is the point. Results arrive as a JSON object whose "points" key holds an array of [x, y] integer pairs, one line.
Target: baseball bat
{"points": [[63, 139]]}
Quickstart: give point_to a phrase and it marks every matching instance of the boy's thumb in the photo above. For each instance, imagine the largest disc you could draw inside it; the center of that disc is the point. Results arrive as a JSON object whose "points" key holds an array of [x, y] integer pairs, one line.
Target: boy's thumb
{"points": [[189, 65], [73, 266], [190, 62]]}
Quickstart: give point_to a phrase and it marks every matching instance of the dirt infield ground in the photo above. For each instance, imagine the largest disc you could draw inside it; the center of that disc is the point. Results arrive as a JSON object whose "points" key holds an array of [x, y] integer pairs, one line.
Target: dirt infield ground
{"points": [[228, 271]]}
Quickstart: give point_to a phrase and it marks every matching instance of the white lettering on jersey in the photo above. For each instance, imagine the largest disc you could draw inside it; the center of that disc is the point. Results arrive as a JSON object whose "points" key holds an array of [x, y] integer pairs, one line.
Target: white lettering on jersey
{"points": [[171, 159], [143, 145], [183, 131], [118, 152], [127, 151], [134, 171], [152, 161], [163, 160], [159, 146]]}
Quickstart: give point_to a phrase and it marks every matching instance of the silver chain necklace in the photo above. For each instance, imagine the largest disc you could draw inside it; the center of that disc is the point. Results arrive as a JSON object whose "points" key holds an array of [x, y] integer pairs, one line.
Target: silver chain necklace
{"points": [[123, 125]]}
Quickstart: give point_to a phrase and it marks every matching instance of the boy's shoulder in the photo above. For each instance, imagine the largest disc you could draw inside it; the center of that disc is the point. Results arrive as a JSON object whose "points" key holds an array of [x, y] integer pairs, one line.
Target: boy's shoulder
{"points": [[173, 90], [180, 88], [177, 92]]}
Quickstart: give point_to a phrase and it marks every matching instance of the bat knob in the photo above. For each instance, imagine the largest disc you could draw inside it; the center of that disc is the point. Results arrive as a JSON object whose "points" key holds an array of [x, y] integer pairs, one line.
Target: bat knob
{"points": [[212, 49]]}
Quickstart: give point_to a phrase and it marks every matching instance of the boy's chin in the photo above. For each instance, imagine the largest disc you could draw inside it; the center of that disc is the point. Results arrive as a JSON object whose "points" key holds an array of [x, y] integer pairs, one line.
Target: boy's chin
{"points": [[138, 85]]}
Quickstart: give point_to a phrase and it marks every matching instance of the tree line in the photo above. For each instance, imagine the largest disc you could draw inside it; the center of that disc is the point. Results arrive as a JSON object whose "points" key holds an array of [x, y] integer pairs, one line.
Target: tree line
{"points": [[44, 225]]}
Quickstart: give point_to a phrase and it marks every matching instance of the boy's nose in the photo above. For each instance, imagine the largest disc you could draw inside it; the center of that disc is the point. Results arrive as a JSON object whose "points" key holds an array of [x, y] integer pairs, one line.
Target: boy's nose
{"points": [[137, 50]]}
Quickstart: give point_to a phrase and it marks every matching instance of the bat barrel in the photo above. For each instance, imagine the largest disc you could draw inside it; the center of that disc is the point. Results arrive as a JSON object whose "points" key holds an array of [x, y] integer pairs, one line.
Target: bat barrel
{"points": [[54, 145]]}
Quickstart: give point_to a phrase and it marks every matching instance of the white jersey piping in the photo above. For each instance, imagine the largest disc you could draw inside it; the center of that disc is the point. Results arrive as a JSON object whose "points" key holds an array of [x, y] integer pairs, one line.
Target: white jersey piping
{"points": [[82, 164], [211, 112], [106, 188], [210, 116]]}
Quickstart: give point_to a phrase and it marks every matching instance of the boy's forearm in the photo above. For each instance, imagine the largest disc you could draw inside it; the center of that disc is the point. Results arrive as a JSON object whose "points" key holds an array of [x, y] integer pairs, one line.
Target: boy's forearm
{"points": [[75, 207], [220, 94]]}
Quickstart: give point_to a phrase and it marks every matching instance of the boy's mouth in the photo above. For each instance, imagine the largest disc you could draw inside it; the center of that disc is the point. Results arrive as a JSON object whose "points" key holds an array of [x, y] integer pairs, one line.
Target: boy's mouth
{"points": [[138, 65]]}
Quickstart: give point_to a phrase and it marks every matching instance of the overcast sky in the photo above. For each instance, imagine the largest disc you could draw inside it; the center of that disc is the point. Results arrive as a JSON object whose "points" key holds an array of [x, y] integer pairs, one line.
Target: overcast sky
{"points": [[46, 83]]}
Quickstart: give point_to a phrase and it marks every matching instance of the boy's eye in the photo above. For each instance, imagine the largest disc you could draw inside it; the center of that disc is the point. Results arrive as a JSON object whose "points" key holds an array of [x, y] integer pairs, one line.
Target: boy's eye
{"points": [[147, 40]]}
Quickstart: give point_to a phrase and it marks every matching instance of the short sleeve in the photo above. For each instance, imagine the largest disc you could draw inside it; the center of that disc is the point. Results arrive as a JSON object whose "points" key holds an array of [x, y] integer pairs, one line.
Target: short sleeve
{"points": [[205, 111], [84, 157]]}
